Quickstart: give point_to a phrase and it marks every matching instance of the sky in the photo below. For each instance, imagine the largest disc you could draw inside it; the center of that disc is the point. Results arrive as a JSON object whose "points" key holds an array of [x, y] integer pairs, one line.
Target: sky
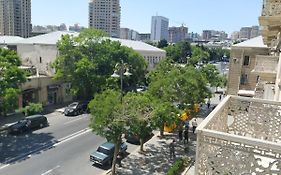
{"points": [[197, 15]]}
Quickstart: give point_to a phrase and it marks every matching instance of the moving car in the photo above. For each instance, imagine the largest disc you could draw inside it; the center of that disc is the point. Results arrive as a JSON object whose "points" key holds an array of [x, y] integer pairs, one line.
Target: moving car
{"points": [[76, 108], [28, 124], [105, 152]]}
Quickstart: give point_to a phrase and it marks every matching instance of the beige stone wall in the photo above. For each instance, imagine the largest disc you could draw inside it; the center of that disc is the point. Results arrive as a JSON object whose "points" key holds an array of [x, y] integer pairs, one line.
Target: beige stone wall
{"points": [[237, 68]]}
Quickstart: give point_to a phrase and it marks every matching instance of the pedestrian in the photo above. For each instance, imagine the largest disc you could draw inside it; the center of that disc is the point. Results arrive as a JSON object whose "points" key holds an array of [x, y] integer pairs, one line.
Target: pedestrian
{"points": [[172, 149], [209, 103], [194, 125], [220, 97], [119, 159], [185, 133], [180, 133], [186, 124]]}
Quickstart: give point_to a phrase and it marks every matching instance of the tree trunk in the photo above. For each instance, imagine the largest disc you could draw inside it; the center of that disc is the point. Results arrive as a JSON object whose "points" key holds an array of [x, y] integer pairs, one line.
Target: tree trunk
{"points": [[116, 151], [141, 145]]}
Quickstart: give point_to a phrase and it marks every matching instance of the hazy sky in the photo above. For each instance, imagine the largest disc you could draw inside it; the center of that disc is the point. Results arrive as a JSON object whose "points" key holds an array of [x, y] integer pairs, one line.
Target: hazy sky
{"points": [[197, 15]]}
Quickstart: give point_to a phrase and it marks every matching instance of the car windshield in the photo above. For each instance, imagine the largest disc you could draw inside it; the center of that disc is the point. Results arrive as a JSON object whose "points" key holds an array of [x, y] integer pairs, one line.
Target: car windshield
{"points": [[102, 150], [73, 105]]}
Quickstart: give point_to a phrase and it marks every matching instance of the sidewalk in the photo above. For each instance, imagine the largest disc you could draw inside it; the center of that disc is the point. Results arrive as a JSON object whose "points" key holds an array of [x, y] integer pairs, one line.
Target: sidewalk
{"points": [[156, 159]]}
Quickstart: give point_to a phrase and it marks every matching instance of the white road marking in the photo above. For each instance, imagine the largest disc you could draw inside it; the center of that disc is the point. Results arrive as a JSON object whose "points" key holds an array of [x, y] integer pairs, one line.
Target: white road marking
{"points": [[47, 172], [73, 120], [72, 136], [4, 166], [60, 141]]}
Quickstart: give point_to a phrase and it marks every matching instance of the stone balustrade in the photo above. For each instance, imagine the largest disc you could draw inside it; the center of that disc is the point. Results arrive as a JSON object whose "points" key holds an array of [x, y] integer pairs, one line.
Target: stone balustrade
{"points": [[240, 136]]}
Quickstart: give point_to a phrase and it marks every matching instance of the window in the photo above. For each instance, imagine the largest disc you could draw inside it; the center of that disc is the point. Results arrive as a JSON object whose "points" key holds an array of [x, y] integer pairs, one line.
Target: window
{"points": [[246, 60], [244, 79]]}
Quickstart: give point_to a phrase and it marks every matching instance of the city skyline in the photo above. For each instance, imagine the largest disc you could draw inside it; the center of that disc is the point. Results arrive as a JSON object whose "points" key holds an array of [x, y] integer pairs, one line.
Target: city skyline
{"points": [[196, 15]]}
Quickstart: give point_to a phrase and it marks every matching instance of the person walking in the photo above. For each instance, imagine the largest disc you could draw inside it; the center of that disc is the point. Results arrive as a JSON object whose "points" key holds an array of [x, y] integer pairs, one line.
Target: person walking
{"points": [[220, 97], [185, 133], [194, 125], [209, 103], [172, 149], [180, 133]]}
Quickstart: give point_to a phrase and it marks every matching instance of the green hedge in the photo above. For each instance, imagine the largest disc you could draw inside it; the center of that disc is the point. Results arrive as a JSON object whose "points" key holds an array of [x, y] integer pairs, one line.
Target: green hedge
{"points": [[32, 108], [176, 168]]}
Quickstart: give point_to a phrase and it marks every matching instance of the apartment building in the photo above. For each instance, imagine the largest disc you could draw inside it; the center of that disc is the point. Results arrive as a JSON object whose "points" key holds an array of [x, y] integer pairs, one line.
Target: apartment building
{"points": [[105, 15], [159, 28], [177, 34], [15, 18]]}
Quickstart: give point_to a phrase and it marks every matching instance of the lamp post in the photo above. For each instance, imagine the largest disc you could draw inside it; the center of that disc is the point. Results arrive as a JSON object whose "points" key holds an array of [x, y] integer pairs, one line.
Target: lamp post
{"points": [[119, 72]]}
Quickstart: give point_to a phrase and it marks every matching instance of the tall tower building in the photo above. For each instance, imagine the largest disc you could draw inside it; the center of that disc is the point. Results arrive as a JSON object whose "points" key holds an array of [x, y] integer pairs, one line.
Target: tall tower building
{"points": [[159, 28], [15, 18], [105, 15]]}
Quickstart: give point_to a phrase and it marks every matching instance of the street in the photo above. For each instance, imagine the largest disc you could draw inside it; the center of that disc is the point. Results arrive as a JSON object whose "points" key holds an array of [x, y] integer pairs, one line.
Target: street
{"points": [[61, 148]]}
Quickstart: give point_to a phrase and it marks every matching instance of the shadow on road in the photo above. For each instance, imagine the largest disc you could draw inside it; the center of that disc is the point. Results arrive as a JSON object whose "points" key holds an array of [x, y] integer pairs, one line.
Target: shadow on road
{"points": [[17, 148]]}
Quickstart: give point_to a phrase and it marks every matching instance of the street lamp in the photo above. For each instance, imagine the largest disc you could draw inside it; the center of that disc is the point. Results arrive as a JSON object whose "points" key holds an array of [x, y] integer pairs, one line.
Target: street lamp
{"points": [[119, 72]]}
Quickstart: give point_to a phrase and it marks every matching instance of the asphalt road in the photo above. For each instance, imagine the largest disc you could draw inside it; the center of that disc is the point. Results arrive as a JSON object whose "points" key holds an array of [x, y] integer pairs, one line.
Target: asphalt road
{"points": [[62, 148]]}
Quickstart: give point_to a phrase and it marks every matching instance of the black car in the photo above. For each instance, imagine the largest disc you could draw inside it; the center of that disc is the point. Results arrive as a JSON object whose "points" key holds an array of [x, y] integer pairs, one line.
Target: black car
{"points": [[76, 108], [28, 124], [105, 152]]}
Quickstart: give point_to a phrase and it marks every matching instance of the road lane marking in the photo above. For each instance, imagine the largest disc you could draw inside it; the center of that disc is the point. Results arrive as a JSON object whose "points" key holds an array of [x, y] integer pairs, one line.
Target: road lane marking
{"points": [[50, 170], [47, 146], [4, 166], [72, 136], [73, 121]]}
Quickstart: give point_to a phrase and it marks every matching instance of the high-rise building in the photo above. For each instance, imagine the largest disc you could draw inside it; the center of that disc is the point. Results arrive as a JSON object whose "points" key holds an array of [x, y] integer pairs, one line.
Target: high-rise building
{"points": [[206, 35], [255, 31], [105, 15], [144, 36], [235, 36], [15, 18], [213, 35], [159, 28], [177, 34]]}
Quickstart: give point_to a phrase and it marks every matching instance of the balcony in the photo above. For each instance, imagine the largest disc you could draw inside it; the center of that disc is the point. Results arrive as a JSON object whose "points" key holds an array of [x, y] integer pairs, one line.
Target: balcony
{"points": [[266, 64], [241, 136]]}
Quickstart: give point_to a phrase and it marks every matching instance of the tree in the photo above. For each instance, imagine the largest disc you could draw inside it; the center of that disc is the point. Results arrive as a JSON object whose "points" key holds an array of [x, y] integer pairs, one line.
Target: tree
{"points": [[162, 43], [172, 84], [213, 76], [138, 107], [11, 78], [108, 119], [198, 55], [179, 52], [88, 61]]}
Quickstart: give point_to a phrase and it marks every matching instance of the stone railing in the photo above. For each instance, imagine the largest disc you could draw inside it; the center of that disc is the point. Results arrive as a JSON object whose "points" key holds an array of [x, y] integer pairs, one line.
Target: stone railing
{"points": [[266, 64], [241, 136], [271, 8]]}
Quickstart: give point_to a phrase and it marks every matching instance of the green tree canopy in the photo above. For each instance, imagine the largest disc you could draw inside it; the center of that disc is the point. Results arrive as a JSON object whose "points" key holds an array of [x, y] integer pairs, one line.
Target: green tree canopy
{"points": [[213, 76], [11, 78], [89, 60], [162, 43], [179, 52], [138, 107], [108, 118]]}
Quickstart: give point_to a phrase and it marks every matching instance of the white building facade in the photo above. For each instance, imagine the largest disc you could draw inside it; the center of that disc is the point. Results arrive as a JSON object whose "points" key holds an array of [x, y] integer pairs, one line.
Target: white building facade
{"points": [[159, 28]]}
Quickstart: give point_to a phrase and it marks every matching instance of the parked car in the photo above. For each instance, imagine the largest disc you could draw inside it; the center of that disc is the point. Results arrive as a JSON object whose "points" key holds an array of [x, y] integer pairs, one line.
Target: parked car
{"points": [[135, 139], [28, 124], [76, 108], [104, 154]]}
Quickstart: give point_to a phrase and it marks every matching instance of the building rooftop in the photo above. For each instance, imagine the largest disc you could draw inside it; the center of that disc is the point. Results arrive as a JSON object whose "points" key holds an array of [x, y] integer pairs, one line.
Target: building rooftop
{"points": [[53, 37], [254, 42], [9, 39]]}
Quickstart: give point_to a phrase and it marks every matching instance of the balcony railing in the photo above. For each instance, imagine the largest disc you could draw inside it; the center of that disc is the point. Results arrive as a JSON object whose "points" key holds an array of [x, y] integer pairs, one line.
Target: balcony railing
{"points": [[241, 136], [271, 8], [266, 64]]}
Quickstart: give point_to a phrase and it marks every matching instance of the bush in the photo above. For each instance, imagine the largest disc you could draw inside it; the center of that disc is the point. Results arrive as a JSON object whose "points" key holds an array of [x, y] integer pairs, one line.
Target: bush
{"points": [[32, 108], [176, 168]]}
